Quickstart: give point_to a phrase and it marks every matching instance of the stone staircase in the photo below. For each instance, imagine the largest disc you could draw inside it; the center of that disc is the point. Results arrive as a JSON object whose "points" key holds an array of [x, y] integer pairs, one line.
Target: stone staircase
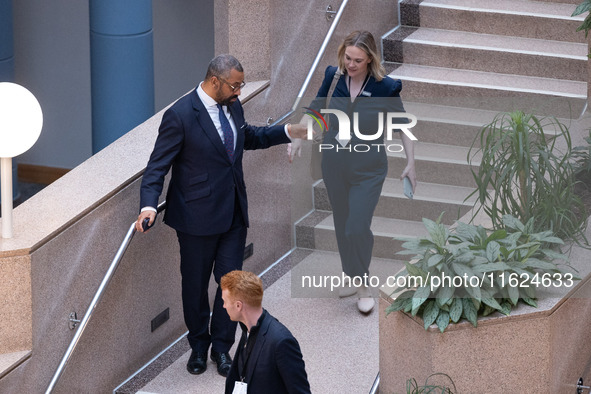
{"points": [[461, 62], [499, 55]]}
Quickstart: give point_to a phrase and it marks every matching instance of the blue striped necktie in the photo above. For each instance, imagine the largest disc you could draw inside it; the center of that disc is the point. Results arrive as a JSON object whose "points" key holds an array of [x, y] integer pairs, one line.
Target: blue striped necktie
{"points": [[228, 133]]}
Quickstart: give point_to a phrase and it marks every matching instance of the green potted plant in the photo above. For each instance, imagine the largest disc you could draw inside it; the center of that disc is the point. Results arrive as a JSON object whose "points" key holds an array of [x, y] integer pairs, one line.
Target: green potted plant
{"points": [[412, 387], [522, 165], [585, 6], [467, 272]]}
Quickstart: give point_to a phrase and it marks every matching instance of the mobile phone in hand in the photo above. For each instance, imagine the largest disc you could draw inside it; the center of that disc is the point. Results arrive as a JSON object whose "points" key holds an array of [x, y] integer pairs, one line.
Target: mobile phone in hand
{"points": [[147, 226], [407, 188]]}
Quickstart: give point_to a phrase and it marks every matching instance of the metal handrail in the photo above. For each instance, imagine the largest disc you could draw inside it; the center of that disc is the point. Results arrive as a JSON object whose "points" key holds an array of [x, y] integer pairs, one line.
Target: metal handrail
{"points": [[376, 385], [98, 295], [314, 66], [119, 255]]}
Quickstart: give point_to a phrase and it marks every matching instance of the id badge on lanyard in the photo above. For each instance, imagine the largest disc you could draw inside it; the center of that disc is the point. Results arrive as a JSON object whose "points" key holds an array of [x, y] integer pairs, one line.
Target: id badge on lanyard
{"points": [[240, 388]]}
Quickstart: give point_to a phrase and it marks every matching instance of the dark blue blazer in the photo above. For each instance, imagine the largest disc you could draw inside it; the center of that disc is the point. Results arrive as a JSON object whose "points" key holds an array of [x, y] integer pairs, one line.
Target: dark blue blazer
{"points": [[204, 183], [387, 87], [377, 96], [275, 365]]}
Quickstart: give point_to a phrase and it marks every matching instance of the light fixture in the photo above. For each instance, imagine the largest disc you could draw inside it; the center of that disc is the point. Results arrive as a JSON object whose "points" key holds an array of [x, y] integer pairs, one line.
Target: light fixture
{"points": [[21, 121]]}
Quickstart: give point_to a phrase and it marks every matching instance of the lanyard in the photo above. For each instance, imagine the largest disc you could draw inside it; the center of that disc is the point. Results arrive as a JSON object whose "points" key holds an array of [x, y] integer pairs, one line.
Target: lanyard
{"points": [[247, 357], [362, 86]]}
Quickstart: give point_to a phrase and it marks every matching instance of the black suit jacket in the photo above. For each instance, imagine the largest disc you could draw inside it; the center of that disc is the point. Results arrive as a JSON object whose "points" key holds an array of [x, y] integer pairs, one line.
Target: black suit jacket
{"points": [[275, 365], [204, 183]]}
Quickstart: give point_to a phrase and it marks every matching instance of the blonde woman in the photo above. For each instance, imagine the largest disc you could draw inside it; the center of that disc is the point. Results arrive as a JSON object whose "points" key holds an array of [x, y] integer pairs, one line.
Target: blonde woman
{"points": [[354, 173]]}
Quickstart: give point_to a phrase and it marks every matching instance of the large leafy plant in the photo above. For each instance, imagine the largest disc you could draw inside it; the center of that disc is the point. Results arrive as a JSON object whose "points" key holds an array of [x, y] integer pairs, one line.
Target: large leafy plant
{"points": [[488, 271], [522, 167], [585, 6]]}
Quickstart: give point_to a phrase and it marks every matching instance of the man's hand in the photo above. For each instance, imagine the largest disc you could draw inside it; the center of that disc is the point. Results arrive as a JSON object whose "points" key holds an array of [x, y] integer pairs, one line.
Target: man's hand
{"points": [[297, 131], [142, 216], [295, 148]]}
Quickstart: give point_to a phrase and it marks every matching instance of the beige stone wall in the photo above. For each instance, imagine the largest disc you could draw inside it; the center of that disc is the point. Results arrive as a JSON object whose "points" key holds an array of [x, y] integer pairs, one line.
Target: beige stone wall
{"points": [[65, 238], [15, 303]]}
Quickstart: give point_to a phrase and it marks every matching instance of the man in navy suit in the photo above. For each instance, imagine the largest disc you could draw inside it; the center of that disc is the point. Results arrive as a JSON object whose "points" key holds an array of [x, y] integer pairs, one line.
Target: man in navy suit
{"points": [[202, 137], [268, 359]]}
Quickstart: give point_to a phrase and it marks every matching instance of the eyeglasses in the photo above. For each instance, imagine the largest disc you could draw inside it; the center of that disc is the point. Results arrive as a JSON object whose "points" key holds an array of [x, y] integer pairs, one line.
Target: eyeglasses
{"points": [[234, 88]]}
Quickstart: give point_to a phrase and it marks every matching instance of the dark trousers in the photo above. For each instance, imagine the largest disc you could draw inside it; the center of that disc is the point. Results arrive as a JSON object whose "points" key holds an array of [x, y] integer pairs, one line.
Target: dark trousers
{"points": [[354, 183], [200, 255]]}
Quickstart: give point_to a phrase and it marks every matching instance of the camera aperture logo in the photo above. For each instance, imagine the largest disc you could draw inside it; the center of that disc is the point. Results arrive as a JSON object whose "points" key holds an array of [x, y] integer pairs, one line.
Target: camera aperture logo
{"points": [[394, 121], [318, 118]]}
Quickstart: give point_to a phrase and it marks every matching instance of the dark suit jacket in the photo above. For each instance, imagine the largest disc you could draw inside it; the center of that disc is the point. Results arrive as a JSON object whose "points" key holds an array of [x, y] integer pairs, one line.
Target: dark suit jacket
{"points": [[275, 365], [204, 183], [382, 96]]}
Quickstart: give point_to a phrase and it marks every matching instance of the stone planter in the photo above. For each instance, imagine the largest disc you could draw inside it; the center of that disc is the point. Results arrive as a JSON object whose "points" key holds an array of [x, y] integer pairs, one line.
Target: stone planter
{"points": [[543, 350]]}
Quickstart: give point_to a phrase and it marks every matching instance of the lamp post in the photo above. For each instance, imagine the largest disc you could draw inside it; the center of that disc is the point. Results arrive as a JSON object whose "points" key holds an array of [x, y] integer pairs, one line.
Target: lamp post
{"points": [[21, 120]]}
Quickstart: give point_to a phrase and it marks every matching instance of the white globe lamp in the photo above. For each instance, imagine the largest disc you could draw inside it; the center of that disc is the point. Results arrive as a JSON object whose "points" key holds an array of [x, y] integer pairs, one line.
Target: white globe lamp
{"points": [[21, 121]]}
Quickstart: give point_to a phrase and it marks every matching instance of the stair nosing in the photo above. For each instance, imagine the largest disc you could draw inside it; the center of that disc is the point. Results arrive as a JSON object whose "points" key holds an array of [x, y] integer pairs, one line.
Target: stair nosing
{"points": [[440, 80], [400, 223], [507, 49], [431, 147], [549, 15]]}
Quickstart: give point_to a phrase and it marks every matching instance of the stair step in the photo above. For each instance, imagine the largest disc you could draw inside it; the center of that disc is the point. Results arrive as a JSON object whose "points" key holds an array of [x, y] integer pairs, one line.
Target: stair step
{"points": [[447, 125], [534, 19], [9, 361], [573, 2], [252, 89], [491, 91], [436, 163], [458, 126], [501, 54], [384, 230], [430, 200]]}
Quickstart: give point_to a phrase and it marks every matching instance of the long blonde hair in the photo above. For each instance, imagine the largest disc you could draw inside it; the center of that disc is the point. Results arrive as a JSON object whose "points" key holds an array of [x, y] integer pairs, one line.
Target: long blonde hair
{"points": [[365, 41]]}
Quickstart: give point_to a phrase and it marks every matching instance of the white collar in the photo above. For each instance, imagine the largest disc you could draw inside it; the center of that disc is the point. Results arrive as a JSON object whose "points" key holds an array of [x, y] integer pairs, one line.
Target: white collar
{"points": [[206, 99]]}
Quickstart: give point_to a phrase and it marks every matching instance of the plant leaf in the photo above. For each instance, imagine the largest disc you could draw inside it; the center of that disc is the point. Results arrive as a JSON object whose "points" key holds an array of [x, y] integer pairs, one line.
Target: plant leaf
{"points": [[513, 294], [434, 260], [488, 310], [530, 301], [553, 255], [496, 235], [414, 270], [490, 301], [419, 297], [400, 302], [466, 231], [493, 250], [455, 311], [469, 311], [583, 7], [443, 320], [430, 313], [491, 267], [506, 305], [539, 264], [512, 222], [444, 294]]}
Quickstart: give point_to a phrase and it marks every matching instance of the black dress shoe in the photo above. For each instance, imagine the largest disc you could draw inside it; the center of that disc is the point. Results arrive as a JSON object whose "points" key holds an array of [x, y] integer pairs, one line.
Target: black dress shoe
{"points": [[197, 363], [224, 362]]}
